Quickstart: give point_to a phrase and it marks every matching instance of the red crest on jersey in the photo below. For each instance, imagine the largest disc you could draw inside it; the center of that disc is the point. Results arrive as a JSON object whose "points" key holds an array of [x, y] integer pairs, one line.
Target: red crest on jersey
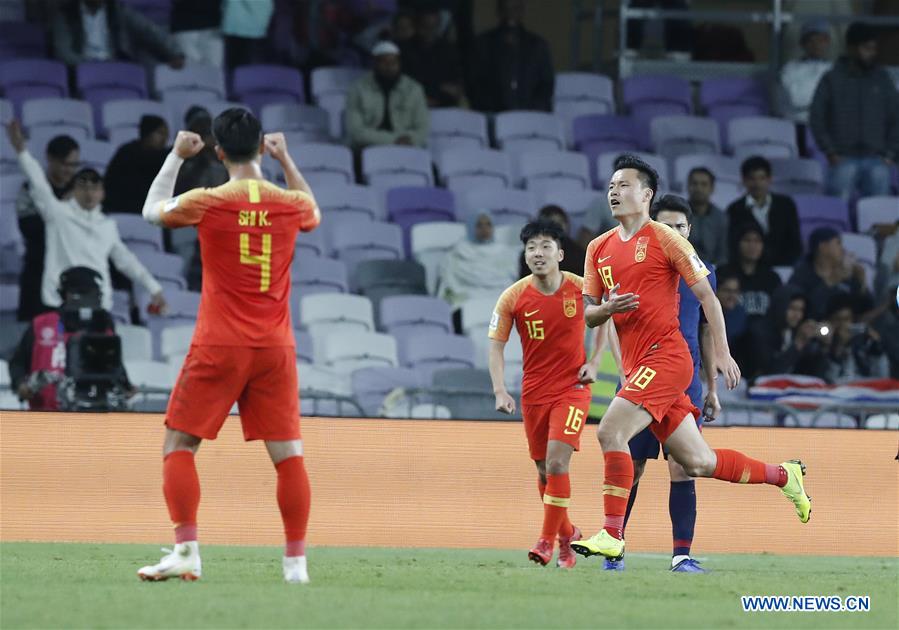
{"points": [[640, 254], [569, 305]]}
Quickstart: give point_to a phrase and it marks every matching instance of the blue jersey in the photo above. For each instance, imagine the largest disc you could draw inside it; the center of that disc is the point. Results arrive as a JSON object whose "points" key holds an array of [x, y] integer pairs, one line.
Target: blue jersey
{"points": [[690, 316]]}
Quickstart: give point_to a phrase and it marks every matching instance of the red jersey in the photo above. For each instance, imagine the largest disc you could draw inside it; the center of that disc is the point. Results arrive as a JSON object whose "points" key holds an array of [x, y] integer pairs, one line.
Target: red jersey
{"points": [[648, 264], [247, 229], [551, 329]]}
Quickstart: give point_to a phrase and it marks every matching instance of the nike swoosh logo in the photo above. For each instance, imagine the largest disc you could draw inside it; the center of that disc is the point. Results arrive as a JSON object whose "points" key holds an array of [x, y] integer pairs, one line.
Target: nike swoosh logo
{"points": [[531, 313], [631, 389], [602, 260]]}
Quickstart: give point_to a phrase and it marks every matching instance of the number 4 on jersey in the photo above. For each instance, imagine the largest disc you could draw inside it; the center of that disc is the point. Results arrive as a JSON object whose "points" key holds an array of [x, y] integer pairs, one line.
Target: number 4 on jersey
{"points": [[264, 260]]}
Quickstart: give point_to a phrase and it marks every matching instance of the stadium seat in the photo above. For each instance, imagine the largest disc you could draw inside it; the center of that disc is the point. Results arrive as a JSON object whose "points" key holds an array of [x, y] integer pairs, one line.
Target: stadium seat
{"points": [[168, 269], [821, 211], [351, 200], [346, 352], [6, 111], [542, 170], [408, 206], [329, 88], [863, 247], [581, 94], [158, 11], [599, 128], [477, 312], [576, 204], [175, 341], [182, 310], [310, 121], [391, 166], [95, 154], [308, 245], [883, 421], [22, 40], [147, 373], [400, 314], [305, 348], [335, 312], [26, 79], [179, 104], [40, 137], [726, 98], [427, 352], [673, 136], [9, 302], [121, 307], [126, 114], [379, 278], [453, 128], [762, 135], [797, 176], [430, 242], [784, 272], [374, 240], [605, 162], [466, 168], [258, 85], [325, 392], [875, 211], [99, 82], [513, 354], [372, 384], [648, 96], [467, 393], [330, 164], [56, 112], [137, 343], [197, 79], [725, 168], [518, 131], [507, 205], [139, 235], [318, 275]]}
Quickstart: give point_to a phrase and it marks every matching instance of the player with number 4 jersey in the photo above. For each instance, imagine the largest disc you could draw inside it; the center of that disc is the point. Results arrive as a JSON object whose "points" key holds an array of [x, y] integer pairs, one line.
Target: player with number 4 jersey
{"points": [[547, 311]]}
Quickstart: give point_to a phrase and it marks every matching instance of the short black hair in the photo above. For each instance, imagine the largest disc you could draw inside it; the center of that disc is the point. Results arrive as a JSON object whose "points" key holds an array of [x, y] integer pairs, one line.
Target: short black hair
{"points": [[860, 33], [647, 174], [552, 210], [61, 146], [701, 169], [150, 123], [542, 227], [89, 175], [671, 203], [755, 163], [724, 274], [238, 132]]}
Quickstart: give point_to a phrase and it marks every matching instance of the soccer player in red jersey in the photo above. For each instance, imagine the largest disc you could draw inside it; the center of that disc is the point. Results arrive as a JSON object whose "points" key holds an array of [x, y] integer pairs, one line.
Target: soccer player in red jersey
{"points": [[243, 345], [547, 309], [636, 267]]}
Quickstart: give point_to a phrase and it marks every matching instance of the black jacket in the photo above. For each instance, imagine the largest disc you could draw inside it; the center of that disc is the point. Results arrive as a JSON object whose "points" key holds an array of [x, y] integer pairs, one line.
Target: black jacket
{"points": [[783, 241]]}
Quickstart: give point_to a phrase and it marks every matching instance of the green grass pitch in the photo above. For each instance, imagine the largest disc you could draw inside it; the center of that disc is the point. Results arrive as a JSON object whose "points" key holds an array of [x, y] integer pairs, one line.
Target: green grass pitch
{"points": [[95, 586]]}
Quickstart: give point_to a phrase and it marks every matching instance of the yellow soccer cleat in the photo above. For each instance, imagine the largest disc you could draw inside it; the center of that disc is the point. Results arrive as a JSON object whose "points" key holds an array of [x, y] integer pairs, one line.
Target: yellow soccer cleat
{"points": [[601, 544], [795, 489]]}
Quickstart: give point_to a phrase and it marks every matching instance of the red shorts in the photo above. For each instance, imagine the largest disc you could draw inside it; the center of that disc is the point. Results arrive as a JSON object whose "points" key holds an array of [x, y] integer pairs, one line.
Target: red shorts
{"points": [[263, 382], [561, 420], [659, 384]]}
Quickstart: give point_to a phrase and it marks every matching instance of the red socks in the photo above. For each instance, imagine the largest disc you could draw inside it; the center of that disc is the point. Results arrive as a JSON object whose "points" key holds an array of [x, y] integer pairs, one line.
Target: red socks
{"points": [[293, 499], [566, 529], [555, 507], [619, 477], [181, 487], [735, 467]]}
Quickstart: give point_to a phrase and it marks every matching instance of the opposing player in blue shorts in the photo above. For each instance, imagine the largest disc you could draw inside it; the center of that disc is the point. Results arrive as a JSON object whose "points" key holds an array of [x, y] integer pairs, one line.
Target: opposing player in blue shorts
{"points": [[675, 212]]}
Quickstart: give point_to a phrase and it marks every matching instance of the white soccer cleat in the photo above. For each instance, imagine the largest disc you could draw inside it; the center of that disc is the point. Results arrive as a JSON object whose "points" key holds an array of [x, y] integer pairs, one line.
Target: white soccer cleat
{"points": [[295, 570], [182, 562]]}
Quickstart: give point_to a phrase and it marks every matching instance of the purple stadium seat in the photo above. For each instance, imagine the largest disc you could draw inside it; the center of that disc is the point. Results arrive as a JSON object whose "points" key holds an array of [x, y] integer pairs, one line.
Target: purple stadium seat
{"points": [[309, 120], [6, 111], [351, 200], [40, 137], [725, 168], [305, 347], [673, 136], [762, 135], [409, 206], [649, 96], [399, 313], [393, 166], [333, 160], [126, 114], [53, 112], [368, 240], [310, 244], [20, 40], [877, 210], [508, 205], [517, 131], [98, 82], [605, 162], [157, 10], [329, 88], [725, 98], [452, 128], [168, 269], [25, 79], [318, 275], [182, 310], [96, 154], [797, 176], [200, 80], [603, 128], [261, 84], [585, 87], [466, 168], [541, 170], [9, 300], [821, 211], [372, 384], [427, 352], [862, 246], [139, 235]]}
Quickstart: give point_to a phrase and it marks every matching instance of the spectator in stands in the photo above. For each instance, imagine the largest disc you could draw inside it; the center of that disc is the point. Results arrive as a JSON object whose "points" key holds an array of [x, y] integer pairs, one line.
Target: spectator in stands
{"points": [[196, 26], [511, 67], [402, 29], [855, 350], [109, 30], [758, 281], [597, 220], [774, 214], [739, 335], [800, 77], [204, 170], [477, 266], [386, 106], [888, 264], [855, 119], [709, 227], [574, 253], [828, 271], [131, 170], [785, 341], [245, 25], [39, 360], [886, 323], [433, 61], [63, 160], [78, 234]]}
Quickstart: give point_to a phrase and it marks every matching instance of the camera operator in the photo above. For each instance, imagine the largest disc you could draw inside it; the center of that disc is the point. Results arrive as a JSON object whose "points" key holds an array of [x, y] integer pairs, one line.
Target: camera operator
{"points": [[39, 361], [855, 349]]}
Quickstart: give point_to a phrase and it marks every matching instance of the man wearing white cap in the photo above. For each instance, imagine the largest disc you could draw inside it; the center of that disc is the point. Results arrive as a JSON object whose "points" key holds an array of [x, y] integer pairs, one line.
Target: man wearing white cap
{"points": [[800, 77], [385, 106]]}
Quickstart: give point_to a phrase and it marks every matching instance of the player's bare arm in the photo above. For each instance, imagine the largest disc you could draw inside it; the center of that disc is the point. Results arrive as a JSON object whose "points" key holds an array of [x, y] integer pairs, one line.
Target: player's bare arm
{"points": [[187, 144], [596, 313], [711, 406], [588, 371], [723, 362], [496, 363]]}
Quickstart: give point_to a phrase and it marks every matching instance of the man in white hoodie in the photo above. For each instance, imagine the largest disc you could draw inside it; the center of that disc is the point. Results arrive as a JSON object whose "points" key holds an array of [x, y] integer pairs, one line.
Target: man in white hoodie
{"points": [[78, 234]]}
